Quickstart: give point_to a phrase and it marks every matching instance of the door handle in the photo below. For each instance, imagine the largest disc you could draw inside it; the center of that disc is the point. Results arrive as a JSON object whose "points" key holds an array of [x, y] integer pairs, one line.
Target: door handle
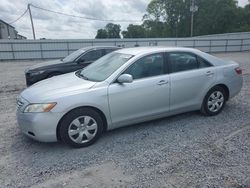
{"points": [[209, 73], [162, 82]]}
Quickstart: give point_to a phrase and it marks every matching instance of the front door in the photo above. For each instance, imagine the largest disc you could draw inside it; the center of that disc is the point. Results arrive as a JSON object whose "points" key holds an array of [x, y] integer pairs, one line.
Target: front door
{"points": [[147, 96]]}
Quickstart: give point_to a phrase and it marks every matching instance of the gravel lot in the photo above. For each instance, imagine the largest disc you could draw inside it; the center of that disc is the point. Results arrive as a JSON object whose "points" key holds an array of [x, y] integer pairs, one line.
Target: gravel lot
{"points": [[187, 150]]}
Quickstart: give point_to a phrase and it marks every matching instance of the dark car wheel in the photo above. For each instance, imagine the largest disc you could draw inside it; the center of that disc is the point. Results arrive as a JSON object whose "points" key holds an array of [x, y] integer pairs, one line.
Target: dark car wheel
{"points": [[81, 127], [214, 101]]}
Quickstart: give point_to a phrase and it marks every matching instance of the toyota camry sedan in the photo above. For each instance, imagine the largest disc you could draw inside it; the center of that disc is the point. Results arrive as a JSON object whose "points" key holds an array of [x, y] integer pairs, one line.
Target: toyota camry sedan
{"points": [[126, 87]]}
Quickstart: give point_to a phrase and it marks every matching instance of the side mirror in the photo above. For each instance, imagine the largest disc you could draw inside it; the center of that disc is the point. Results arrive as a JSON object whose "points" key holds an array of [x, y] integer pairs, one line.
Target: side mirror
{"points": [[125, 78]]}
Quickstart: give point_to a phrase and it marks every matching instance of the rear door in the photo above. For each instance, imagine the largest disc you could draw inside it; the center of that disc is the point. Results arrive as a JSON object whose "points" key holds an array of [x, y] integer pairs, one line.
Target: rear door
{"points": [[190, 78]]}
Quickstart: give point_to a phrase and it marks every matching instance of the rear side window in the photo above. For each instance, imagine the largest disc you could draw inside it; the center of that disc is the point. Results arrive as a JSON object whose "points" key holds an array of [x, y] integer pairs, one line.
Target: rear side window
{"points": [[202, 63], [183, 61]]}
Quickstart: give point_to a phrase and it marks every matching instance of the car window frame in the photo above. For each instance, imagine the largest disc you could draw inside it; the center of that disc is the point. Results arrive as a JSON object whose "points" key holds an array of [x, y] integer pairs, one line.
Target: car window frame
{"points": [[79, 57], [193, 54], [166, 67], [113, 49]]}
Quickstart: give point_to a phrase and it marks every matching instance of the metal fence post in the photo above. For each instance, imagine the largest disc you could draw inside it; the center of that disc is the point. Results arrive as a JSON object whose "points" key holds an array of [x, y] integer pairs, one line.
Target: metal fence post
{"points": [[41, 49], [67, 46], [226, 45], [12, 49], [210, 43], [241, 45]]}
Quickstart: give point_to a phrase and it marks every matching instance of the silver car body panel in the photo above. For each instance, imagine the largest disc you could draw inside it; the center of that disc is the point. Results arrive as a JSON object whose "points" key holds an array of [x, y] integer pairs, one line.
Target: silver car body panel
{"points": [[123, 104]]}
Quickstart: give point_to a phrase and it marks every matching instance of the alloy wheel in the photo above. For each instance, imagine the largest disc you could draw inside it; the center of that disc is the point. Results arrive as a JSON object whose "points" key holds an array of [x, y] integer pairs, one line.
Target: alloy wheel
{"points": [[82, 129], [215, 101]]}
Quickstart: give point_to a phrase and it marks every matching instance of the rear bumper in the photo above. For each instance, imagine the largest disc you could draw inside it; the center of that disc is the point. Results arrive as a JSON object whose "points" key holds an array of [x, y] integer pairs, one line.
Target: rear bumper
{"points": [[235, 86]]}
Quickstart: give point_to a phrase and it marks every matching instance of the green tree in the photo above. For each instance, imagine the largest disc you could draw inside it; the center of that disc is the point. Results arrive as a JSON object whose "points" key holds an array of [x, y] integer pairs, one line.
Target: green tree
{"points": [[110, 31], [168, 15], [171, 18], [101, 34], [113, 30], [215, 16], [134, 31]]}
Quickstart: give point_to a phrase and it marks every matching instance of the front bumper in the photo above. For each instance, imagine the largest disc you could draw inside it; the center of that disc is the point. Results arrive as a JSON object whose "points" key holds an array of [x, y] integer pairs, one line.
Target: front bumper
{"points": [[38, 126], [33, 79]]}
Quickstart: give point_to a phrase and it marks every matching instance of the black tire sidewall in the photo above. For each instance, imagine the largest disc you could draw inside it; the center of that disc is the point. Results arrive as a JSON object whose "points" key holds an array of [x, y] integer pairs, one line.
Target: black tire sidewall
{"points": [[205, 110], [66, 121]]}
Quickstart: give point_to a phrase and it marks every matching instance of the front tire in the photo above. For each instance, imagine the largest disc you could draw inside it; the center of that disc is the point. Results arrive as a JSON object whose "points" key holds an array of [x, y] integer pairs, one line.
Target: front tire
{"points": [[214, 101], [81, 127]]}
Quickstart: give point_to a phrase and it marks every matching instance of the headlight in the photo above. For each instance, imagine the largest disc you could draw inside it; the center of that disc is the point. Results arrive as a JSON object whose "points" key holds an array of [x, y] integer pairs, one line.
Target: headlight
{"points": [[39, 107], [36, 73]]}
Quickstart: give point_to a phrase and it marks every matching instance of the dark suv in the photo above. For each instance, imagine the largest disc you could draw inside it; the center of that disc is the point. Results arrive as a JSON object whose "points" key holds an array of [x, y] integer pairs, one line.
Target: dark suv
{"points": [[75, 61]]}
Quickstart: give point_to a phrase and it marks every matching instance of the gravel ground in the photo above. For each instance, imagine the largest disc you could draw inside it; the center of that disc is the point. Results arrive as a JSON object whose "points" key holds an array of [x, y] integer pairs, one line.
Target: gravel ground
{"points": [[187, 150]]}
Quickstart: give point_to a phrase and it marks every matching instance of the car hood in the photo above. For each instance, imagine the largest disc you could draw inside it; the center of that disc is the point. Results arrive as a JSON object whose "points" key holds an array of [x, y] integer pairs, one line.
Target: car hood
{"points": [[44, 65], [56, 87]]}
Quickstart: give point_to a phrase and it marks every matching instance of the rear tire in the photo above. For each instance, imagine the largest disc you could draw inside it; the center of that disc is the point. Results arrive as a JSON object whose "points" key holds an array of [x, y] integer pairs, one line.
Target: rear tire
{"points": [[81, 127], [214, 101]]}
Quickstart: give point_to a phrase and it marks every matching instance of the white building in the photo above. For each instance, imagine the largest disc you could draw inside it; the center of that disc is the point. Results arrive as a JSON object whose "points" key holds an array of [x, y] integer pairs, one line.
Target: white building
{"points": [[7, 31]]}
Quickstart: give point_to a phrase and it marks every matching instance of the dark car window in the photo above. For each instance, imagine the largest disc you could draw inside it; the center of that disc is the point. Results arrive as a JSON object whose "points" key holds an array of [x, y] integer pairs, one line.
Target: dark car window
{"points": [[151, 65], [108, 50], [182, 61], [91, 55], [202, 63], [74, 55]]}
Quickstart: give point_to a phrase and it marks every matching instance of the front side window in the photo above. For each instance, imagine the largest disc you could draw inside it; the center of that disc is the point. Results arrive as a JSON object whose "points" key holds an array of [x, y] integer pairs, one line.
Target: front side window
{"points": [[91, 56], [151, 65], [73, 56], [104, 67]]}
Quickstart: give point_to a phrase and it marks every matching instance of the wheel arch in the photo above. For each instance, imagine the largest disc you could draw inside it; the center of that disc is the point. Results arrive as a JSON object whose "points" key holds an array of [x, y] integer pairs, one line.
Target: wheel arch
{"points": [[226, 89], [90, 107]]}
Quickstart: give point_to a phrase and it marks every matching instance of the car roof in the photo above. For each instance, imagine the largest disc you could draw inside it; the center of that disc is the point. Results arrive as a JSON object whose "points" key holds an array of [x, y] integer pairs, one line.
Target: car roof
{"points": [[142, 50], [99, 47]]}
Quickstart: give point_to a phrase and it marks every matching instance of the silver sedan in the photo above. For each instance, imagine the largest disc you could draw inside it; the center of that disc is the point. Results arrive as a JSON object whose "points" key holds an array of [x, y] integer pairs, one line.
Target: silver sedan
{"points": [[126, 87]]}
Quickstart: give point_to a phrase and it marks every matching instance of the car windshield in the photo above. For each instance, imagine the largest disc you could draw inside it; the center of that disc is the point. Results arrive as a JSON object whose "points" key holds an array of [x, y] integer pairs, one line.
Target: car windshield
{"points": [[104, 67], [73, 56]]}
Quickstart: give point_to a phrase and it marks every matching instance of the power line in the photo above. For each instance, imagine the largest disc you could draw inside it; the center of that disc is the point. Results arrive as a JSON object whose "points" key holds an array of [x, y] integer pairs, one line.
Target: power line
{"points": [[19, 17], [83, 17]]}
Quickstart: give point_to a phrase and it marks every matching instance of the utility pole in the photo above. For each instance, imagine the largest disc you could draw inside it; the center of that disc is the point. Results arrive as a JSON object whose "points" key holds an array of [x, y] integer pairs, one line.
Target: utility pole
{"points": [[32, 25], [193, 9]]}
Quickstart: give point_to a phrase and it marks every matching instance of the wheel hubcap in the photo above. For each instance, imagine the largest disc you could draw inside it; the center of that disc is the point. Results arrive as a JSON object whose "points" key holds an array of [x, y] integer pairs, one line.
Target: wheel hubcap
{"points": [[215, 101], [82, 129]]}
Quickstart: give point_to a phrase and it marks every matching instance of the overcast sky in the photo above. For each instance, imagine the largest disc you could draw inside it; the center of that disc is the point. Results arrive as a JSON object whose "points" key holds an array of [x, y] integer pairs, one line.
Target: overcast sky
{"points": [[50, 25]]}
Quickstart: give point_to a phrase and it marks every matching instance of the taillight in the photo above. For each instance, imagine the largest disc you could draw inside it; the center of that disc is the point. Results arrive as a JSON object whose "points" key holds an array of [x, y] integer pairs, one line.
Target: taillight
{"points": [[238, 70]]}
